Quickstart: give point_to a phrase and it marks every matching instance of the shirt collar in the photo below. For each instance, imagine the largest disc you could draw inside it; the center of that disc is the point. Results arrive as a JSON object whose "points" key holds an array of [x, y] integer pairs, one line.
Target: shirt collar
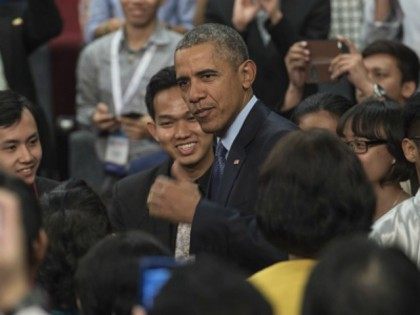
{"points": [[235, 127], [159, 37]]}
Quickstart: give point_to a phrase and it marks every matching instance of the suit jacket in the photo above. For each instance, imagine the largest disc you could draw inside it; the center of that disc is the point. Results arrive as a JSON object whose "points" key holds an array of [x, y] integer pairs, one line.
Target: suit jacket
{"points": [[129, 209], [44, 185], [303, 19], [21, 32], [219, 228]]}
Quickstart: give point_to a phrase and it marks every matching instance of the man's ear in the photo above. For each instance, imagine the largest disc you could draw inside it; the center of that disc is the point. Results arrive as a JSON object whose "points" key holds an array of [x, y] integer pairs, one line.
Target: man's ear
{"points": [[247, 71], [151, 127], [408, 88], [410, 150]]}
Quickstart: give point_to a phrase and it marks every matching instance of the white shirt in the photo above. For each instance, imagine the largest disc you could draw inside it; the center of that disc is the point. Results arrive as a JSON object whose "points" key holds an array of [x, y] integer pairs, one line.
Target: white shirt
{"points": [[400, 227], [235, 127], [407, 16]]}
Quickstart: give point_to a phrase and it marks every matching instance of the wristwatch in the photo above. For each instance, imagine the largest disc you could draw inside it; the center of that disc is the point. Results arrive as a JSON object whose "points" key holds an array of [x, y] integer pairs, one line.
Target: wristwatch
{"points": [[378, 91]]}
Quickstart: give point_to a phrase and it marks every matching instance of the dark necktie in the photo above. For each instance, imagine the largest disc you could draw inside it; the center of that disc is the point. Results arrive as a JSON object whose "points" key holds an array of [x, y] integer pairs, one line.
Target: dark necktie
{"points": [[218, 168]]}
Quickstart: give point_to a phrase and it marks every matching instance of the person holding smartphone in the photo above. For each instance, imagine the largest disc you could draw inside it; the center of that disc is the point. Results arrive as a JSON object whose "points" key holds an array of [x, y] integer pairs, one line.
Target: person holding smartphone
{"points": [[383, 69], [112, 75]]}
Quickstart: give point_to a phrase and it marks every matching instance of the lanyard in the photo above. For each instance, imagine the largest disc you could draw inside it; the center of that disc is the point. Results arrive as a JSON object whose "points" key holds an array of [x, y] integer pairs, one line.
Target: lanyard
{"points": [[119, 99]]}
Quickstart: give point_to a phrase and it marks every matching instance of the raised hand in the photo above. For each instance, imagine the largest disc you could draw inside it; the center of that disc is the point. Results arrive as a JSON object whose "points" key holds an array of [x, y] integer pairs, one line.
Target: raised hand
{"points": [[297, 61], [244, 11]]}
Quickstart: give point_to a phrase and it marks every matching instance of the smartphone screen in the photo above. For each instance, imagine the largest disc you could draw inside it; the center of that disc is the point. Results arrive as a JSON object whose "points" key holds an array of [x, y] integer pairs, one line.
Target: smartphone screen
{"points": [[322, 53], [154, 273]]}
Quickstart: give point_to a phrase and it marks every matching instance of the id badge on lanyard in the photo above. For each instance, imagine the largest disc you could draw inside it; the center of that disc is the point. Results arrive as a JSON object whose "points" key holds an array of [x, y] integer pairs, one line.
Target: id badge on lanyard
{"points": [[117, 149]]}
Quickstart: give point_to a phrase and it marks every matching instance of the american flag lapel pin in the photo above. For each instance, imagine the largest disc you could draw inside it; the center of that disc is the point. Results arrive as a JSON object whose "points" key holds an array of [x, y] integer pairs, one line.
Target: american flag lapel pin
{"points": [[236, 162]]}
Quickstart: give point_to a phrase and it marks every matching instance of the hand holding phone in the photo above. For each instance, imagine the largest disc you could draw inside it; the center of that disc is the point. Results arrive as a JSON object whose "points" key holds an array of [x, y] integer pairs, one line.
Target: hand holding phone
{"points": [[132, 115], [297, 61], [134, 125], [103, 119], [322, 53], [352, 65]]}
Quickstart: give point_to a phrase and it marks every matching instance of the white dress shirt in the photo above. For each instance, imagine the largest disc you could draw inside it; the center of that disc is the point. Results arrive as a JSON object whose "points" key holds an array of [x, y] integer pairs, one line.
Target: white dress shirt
{"points": [[400, 227]]}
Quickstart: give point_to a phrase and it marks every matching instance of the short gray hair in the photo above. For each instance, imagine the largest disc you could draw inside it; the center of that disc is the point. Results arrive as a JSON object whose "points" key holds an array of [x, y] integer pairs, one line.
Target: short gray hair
{"points": [[228, 41]]}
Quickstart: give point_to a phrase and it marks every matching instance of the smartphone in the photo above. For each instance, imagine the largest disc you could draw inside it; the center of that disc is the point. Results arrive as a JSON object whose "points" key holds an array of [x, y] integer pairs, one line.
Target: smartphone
{"points": [[132, 115], [322, 53], [155, 271]]}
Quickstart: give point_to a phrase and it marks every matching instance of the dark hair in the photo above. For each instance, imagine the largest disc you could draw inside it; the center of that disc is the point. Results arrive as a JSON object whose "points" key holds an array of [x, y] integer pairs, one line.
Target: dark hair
{"points": [[12, 106], [412, 116], [162, 80], [374, 119], [407, 59], [312, 189], [107, 276], [209, 287], [359, 277], [75, 219], [30, 212], [229, 42], [336, 105]]}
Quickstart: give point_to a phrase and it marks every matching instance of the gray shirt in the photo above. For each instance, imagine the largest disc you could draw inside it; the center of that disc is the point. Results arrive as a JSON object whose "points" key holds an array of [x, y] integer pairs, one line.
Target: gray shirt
{"points": [[94, 82]]}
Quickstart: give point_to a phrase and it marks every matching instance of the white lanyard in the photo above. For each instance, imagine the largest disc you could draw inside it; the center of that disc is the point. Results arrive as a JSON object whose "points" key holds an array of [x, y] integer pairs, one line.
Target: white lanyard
{"points": [[119, 99]]}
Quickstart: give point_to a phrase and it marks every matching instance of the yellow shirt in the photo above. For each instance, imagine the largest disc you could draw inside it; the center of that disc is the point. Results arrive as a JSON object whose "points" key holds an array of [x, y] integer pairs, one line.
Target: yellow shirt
{"points": [[283, 284]]}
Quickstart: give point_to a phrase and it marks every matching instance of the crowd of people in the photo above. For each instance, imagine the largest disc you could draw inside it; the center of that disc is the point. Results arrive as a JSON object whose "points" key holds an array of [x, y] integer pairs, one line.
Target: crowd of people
{"points": [[215, 175]]}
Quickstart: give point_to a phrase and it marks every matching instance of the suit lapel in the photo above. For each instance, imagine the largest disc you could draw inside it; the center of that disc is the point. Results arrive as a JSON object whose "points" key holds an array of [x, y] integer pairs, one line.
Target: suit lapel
{"points": [[238, 153]]}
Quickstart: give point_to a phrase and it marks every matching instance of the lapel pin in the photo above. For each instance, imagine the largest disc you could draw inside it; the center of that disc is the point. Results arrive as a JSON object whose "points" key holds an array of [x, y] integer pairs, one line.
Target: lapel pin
{"points": [[18, 21], [236, 162]]}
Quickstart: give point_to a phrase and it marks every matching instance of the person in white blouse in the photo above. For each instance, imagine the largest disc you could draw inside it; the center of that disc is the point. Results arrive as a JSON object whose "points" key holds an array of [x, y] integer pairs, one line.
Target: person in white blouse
{"points": [[401, 225]]}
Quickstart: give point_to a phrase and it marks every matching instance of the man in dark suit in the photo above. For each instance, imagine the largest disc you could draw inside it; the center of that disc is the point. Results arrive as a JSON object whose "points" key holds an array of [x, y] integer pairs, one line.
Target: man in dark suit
{"points": [[181, 136], [269, 28], [215, 75], [20, 146]]}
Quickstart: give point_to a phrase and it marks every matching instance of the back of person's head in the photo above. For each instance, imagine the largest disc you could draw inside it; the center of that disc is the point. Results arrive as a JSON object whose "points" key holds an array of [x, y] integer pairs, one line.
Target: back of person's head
{"points": [[107, 276], [31, 215], [383, 120], [334, 105], [209, 287], [162, 80], [75, 219], [358, 277], [228, 42], [407, 59], [412, 116], [312, 190], [12, 106]]}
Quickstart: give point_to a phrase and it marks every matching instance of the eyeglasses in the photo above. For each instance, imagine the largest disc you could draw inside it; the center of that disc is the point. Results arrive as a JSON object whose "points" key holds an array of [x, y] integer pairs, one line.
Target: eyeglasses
{"points": [[362, 146]]}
